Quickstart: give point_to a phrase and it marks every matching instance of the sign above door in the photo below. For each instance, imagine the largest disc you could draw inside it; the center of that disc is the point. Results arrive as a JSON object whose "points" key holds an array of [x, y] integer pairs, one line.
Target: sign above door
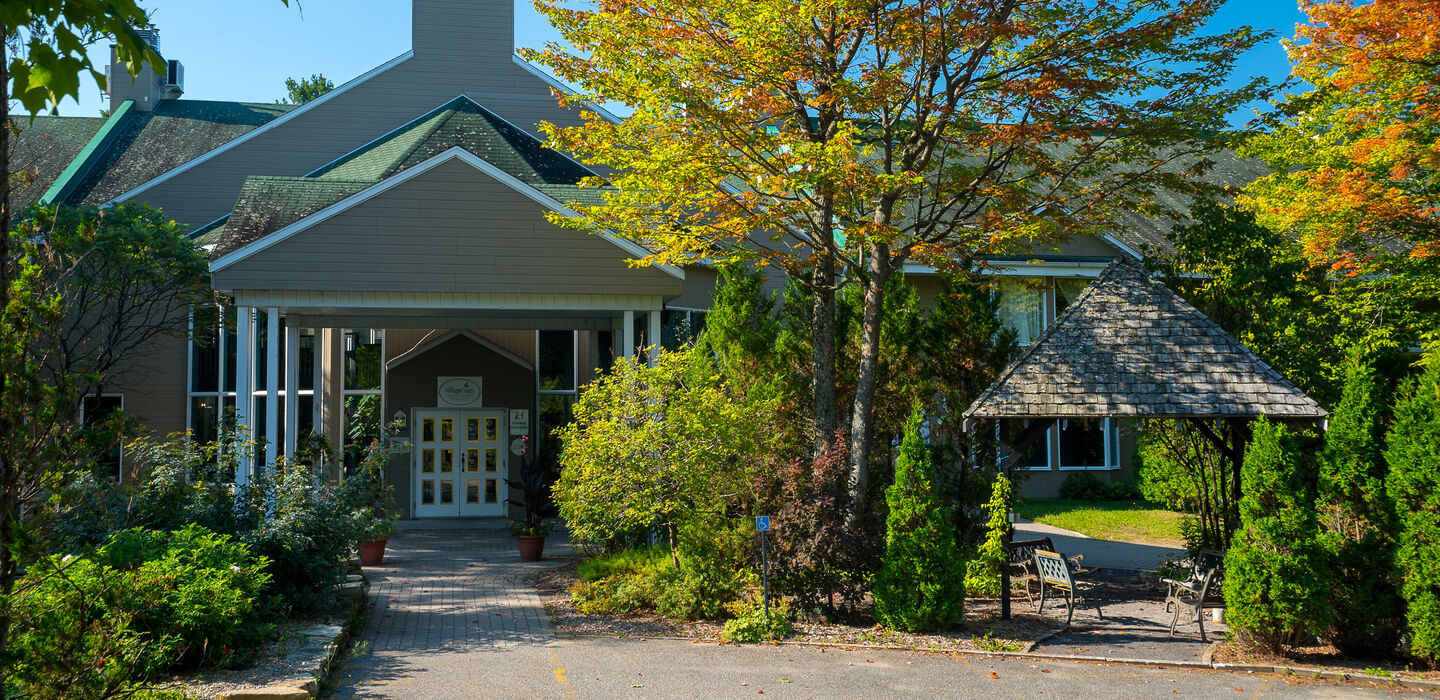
{"points": [[458, 392]]}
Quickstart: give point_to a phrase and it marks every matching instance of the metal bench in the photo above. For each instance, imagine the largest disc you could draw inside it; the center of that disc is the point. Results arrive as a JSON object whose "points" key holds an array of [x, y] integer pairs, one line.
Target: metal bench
{"points": [[1196, 596], [1020, 557], [1055, 575], [1204, 560]]}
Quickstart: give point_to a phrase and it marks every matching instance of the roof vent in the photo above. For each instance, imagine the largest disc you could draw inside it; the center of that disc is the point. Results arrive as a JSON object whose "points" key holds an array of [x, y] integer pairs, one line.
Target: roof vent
{"points": [[174, 85]]}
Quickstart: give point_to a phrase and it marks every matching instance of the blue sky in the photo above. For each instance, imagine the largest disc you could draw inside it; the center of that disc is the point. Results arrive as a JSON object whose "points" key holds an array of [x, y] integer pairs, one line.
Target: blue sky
{"points": [[245, 50]]}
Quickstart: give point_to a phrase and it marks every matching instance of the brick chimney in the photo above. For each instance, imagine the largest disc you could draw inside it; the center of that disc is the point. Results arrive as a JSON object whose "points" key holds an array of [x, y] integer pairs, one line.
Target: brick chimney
{"points": [[463, 31], [148, 88]]}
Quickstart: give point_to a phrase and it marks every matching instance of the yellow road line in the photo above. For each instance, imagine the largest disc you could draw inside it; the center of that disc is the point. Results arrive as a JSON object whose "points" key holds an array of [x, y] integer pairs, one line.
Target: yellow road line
{"points": [[565, 690]]}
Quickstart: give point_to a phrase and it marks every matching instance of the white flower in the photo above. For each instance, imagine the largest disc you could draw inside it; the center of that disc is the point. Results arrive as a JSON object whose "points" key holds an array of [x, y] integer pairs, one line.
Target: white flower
{"points": [[235, 568]]}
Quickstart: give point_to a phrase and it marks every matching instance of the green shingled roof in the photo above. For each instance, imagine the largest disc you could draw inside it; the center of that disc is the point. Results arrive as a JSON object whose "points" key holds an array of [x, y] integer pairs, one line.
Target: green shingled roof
{"points": [[42, 149], [267, 204]]}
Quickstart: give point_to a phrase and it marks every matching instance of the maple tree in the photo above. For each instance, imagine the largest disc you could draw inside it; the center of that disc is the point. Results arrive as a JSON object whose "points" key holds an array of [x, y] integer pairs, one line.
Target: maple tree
{"points": [[840, 140], [1357, 158]]}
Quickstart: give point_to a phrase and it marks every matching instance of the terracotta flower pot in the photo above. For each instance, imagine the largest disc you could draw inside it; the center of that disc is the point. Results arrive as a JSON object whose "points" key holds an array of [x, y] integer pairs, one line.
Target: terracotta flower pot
{"points": [[532, 547], [372, 553]]}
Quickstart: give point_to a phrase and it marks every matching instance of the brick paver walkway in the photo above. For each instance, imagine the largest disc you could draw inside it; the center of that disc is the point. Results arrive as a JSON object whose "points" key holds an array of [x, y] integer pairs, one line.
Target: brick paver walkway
{"points": [[455, 590]]}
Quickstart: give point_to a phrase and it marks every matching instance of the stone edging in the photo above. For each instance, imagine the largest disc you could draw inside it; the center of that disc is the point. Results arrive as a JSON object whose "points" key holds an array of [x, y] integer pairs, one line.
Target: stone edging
{"points": [[315, 658], [1207, 661]]}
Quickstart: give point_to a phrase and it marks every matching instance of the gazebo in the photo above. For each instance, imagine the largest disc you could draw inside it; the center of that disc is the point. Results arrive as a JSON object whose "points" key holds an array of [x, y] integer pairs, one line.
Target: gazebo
{"points": [[1129, 347]]}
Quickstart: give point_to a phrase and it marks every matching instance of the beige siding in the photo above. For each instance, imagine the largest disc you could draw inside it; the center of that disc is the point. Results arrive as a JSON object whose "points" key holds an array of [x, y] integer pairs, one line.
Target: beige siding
{"points": [[452, 229], [699, 289], [153, 382], [504, 384]]}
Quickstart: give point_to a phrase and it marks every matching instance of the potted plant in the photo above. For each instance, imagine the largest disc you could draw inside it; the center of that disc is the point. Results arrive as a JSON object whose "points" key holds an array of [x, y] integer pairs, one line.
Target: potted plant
{"points": [[372, 506], [538, 508]]}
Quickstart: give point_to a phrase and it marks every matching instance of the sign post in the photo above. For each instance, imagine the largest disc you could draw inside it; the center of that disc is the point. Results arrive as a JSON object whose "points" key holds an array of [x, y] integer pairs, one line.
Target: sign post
{"points": [[762, 525]]}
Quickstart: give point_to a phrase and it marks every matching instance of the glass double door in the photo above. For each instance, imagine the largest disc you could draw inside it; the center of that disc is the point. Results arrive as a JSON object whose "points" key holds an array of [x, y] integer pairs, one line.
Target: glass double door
{"points": [[460, 462]]}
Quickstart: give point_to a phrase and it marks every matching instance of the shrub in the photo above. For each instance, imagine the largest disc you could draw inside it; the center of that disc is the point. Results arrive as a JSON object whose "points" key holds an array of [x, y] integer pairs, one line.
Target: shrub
{"points": [[146, 602], [629, 561], [1180, 469], [197, 593], [662, 445], [69, 639], [622, 593], [818, 553], [982, 576], [1414, 487], [751, 625], [921, 582], [711, 574], [1084, 486], [1356, 520], [1275, 577]]}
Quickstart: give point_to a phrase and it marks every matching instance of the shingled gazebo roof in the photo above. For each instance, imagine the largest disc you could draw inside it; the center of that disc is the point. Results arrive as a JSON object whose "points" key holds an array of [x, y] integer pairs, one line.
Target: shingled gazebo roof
{"points": [[1130, 347]]}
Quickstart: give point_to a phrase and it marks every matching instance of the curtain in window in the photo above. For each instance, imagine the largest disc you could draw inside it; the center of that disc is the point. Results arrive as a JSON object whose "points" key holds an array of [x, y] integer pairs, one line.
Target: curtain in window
{"points": [[1022, 308]]}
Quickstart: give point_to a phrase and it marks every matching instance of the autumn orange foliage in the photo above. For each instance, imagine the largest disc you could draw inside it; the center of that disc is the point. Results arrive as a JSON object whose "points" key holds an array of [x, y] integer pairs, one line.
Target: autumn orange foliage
{"points": [[1358, 158]]}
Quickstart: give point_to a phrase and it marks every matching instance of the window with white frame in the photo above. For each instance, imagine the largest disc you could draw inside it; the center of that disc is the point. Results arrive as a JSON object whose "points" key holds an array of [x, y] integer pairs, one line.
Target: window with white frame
{"points": [[557, 370], [1089, 443], [213, 356], [363, 391], [1034, 456], [1022, 308]]}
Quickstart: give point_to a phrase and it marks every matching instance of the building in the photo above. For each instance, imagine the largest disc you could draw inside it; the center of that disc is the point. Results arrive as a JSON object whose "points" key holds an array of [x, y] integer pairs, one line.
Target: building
{"points": [[389, 261]]}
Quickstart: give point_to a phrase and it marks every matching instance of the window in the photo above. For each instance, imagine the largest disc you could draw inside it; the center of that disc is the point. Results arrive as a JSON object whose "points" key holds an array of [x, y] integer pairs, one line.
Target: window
{"points": [[555, 386], [363, 392], [94, 410], [1022, 308], [679, 327], [1066, 289], [1036, 456], [1089, 443], [213, 362]]}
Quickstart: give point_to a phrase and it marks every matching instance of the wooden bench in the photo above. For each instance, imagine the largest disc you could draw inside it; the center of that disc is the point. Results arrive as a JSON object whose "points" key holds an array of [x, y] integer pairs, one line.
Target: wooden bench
{"points": [[1020, 557], [1054, 574]]}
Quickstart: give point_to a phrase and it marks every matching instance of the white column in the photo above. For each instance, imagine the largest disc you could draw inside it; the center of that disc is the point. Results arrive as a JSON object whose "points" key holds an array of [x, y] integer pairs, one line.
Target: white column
{"points": [[318, 373], [654, 340], [292, 386], [272, 385], [627, 332], [244, 389]]}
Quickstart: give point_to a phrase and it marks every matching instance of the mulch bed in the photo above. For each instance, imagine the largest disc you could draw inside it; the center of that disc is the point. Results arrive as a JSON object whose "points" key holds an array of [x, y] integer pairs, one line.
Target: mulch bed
{"points": [[980, 630], [1319, 656]]}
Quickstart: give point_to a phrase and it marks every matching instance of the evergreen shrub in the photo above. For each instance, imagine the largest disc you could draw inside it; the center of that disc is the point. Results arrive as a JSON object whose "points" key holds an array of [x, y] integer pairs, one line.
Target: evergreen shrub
{"points": [[921, 582], [982, 576], [1357, 528], [1413, 452], [1275, 581]]}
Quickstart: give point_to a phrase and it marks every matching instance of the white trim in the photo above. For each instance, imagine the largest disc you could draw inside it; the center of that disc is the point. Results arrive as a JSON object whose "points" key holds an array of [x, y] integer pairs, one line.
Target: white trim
{"points": [[423, 348], [1108, 425], [555, 84], [265, 128], [1115, 242], [299, 301], [1033, 268], [452, 153]]}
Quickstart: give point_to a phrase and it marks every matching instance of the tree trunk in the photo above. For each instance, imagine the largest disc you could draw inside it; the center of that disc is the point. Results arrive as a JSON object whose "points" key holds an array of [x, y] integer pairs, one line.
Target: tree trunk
{"points": [[9, 484], [822, 342], [863, 413], [674, 543]]}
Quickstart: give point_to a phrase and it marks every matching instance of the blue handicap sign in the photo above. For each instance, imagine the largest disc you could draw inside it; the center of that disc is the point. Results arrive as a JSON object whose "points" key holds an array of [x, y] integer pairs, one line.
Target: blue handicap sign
{"points": [[762, 523]]}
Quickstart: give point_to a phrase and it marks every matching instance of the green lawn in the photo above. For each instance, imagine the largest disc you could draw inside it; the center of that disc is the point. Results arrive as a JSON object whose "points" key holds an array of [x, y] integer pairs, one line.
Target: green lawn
{"points": [[1126, 521]]}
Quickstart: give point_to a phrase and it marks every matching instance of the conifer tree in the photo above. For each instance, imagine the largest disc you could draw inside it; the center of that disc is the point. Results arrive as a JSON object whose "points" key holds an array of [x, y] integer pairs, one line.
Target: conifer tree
{"points": [[921, 582], [1355, 519], [1275, 582], [1413, 451]]}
